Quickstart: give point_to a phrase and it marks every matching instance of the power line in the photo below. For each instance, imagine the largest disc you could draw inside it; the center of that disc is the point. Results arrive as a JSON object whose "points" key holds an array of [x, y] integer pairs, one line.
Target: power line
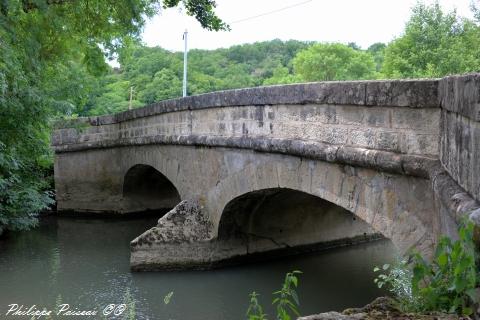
{"points": [[271, 12]]}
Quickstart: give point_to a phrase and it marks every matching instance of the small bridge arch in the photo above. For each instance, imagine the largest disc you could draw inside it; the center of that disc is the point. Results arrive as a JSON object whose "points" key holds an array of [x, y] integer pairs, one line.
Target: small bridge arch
{"points": [[147, 189]]}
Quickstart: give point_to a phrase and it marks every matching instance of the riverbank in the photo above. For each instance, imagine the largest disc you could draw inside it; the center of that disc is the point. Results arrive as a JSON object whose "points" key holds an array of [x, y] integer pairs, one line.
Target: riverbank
{"points": [[380, 309]]}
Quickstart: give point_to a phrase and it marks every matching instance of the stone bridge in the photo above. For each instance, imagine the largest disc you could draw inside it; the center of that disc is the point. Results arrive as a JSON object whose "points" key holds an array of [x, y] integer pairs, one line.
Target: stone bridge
{"points": [[280, 169]]}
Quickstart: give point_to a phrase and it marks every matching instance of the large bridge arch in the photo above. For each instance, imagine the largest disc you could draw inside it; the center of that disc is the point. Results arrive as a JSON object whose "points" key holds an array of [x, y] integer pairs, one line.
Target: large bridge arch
{"points": [[289, 220], [400, 208]]}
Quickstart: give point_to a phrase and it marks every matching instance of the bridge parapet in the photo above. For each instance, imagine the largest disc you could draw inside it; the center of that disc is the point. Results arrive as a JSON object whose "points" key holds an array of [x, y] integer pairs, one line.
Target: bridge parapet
{"points": [[460, 130], [458, 189], [394, 116]]}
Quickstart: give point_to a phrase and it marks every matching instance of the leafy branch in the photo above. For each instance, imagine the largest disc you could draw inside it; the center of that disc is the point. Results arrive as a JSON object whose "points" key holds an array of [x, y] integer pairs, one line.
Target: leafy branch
{"points": [[286, 300]]}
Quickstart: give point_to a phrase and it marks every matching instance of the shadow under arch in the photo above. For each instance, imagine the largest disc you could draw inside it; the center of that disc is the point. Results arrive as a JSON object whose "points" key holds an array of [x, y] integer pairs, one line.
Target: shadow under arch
{"points": [[276, 219], [147, 189]]}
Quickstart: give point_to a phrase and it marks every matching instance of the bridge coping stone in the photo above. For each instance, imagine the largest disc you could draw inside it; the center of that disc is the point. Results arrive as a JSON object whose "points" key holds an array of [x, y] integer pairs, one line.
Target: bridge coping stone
{"points": [[461, 94], [418, 93]]}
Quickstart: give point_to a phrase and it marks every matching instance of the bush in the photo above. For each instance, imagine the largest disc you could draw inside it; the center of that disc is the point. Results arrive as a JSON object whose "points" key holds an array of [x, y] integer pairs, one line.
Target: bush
{"points": [[448, 283], [22, 193]]}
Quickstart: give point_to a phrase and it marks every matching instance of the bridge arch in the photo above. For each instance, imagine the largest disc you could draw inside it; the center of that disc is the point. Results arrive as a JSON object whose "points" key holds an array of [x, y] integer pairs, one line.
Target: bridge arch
{"points": [[385, 202], [283, 218], [147, 189]]}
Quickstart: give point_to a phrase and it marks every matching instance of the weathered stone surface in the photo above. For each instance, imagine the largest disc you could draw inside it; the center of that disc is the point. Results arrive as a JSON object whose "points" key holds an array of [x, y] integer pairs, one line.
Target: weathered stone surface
{"points": [[184, 239], [333, 315], [383, 200], [461, 94], [362, 157], [184, 223], [182, 226], [411, 93], [370, 147], [460, 130], [452, 195], [460, 151], [374, 128]]}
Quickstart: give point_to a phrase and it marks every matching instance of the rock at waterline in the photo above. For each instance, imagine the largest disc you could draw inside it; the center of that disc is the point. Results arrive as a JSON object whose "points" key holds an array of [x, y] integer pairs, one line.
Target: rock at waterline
{"points": [[380, 309]]}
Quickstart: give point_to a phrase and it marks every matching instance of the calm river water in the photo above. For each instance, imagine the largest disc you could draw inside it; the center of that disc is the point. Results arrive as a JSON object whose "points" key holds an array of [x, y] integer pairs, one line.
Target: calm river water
{"points": [[85, 263]]}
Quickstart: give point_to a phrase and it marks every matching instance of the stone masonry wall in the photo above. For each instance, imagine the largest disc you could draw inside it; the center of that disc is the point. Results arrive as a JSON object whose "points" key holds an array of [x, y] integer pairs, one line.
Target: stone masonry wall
{"points": [[396, 116], [425, 130], [396, 129], [460, 130]]}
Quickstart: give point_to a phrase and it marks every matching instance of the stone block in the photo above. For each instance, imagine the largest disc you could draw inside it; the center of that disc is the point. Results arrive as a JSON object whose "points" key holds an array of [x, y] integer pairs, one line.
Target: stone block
{"points": [[426, 120], [461, 94], [389, 141], [377, 117], [403, 93], [362, 138], [351, 115], [421, 144]]}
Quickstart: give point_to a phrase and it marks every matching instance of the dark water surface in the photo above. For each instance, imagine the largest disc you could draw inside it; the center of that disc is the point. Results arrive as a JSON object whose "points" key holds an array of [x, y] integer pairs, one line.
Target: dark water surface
{"points": [[85, 263]]}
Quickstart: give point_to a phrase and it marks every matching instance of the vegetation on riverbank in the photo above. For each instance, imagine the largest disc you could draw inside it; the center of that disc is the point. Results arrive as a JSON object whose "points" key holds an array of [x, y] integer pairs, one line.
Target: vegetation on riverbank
{"points": [[285, 300], [450, 283], [52, 65], [448, 287]]}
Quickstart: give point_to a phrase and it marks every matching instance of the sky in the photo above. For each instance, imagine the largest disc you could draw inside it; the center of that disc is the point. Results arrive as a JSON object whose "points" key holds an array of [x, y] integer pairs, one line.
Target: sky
{"points": [[361, 21]]}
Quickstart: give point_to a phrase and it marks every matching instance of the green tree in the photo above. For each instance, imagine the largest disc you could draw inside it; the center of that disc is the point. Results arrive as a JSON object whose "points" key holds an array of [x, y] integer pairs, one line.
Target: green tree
{"points": [[155, 73], [115, 98], [333, 61], [475, 6], [49, 52], [165, 85], [281, 75], [354, 46], [434, 44], [377, 50]]}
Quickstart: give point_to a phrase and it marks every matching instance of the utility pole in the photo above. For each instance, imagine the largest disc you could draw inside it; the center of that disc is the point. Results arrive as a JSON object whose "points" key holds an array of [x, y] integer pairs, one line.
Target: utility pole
{"points": [[185, 64], [131, 97]]}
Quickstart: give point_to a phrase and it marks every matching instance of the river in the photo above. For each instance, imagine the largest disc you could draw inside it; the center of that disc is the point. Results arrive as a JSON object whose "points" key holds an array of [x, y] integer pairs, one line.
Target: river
{"points": [[85, 263]]}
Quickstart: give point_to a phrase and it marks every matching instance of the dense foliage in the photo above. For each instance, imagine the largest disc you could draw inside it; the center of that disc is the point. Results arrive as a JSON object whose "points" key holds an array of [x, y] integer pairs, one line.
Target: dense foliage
{"points": [[434, 44], [155, 74], [333, 61], [52, 64], [448, 283], [52, 60]]}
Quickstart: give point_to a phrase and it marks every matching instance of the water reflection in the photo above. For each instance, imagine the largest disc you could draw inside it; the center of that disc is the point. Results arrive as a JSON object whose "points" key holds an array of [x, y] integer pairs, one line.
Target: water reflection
{"points": [[85, 263]]}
